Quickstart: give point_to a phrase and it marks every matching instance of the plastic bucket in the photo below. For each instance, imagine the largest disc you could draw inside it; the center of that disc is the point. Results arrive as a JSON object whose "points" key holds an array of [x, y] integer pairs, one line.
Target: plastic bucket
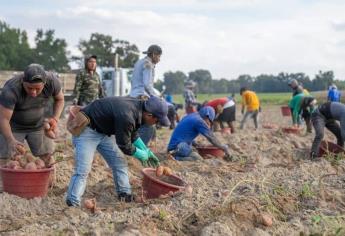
{"points": [[329, 147], [26, 183], [210, 150], [286, 111], [154, 186]]}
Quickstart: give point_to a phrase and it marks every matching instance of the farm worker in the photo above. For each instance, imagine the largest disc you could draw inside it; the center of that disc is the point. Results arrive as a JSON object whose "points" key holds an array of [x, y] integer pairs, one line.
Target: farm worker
{"points": [[251, 102], [327, 115], [225, 111], [180, 144], [109, 125], [299, 111], [142, 84], [22, 112], [333, 94], [297, 88], [88, 85], [189, 97]]}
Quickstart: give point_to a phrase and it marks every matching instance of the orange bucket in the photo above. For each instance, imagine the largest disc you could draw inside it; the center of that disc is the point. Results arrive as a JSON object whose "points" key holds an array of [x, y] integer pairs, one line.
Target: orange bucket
{"points": [[210, 150], [329, 147]]}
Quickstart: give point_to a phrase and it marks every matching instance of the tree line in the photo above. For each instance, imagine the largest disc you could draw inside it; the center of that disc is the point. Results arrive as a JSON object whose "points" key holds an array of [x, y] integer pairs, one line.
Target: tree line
{"points": [[264, 83], [50, 51]]}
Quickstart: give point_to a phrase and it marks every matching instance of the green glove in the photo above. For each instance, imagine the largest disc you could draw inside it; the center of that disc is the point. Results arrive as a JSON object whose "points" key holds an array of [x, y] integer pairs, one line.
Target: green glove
{"points": [[140, 144], [142, 156], [153, 161]]}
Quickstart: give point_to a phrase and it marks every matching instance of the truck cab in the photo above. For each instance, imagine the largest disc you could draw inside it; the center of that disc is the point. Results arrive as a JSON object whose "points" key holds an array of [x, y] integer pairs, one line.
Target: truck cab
{"points": [[115, 82]]}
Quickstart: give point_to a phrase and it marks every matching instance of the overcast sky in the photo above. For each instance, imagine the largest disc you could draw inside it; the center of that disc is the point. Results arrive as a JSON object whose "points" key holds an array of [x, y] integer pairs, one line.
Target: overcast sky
{"points": [[227, 37]]}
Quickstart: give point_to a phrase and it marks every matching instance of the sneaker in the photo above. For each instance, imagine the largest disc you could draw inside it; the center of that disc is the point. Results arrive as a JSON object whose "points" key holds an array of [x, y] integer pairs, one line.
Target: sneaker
{"points": [[125, 197]]}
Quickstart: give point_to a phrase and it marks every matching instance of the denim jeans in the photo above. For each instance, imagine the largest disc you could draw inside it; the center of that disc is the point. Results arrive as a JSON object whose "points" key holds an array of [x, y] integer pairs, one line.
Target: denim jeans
{"points": [[146, 133], [85, 146], [184, 152]]}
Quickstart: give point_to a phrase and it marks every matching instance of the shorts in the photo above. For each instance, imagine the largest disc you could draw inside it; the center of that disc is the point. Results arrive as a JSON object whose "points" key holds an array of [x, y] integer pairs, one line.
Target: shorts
{"points": [[228, 114], [39, 144]]}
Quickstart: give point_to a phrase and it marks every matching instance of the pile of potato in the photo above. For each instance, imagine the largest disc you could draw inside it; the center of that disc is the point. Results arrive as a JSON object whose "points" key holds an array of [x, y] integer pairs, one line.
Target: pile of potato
{"points": [[26, 161], [163, 170]]}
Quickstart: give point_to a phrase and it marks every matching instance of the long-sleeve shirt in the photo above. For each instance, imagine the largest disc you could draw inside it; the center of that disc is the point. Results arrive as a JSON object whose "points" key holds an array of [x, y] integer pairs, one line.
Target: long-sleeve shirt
{"points": [[189, 97], [189, 128], [250, 100], [295, 105], [143, 79], [119, 116], [88, 87], [336, 111]]}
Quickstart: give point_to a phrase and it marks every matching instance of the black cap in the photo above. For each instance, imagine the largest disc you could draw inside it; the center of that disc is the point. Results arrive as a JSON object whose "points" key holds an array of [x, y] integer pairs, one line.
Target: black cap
{"points": [[90, 56], [35, 73], [154, 49], [159, 108]]}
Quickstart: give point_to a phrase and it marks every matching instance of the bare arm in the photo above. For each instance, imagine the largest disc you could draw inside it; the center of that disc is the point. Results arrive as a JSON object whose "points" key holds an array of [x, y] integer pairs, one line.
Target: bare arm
{"points": [[59, 102], [5, 128]]}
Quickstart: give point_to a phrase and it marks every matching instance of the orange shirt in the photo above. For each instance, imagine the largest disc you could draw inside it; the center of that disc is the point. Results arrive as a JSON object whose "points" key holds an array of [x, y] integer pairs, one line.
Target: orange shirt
{"points": [[250, 100]]}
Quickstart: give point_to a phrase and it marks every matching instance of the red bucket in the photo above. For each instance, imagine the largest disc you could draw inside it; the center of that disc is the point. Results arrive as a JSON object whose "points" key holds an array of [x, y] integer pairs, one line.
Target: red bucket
{"points": [[291, 130], [329, 147], [154, 186], [26, 183], [210, 150], [286, 111]]}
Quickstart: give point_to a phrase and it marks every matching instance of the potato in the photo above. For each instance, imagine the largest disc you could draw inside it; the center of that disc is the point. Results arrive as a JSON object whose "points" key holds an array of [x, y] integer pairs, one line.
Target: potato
{"points": [[30, 166], [29, 157], [20, 149], [12, 164], [23, 162], [46, 126], [167, 171], [50, 134], [40, 164], [266, 219], [16, 157], [159, 171]]}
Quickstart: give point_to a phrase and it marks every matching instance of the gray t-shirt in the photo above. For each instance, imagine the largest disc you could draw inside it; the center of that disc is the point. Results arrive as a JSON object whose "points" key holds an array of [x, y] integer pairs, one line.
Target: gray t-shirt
{"points": [[28, 112]]}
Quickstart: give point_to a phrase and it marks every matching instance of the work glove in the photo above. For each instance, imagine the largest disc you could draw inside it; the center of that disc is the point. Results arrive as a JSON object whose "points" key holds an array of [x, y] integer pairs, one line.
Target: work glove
{"points": [[153, 161], [140, 144], [142, 156], [227, 156]]}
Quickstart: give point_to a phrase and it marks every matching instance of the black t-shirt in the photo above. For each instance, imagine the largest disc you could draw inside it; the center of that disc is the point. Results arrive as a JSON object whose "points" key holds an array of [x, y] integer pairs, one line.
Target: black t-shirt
{"points": [[28, 112], [119, 116]]}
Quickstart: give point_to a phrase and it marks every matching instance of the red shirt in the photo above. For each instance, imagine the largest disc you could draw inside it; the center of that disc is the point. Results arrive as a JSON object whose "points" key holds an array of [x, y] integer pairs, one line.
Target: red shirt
{"points": [[219, 101]]}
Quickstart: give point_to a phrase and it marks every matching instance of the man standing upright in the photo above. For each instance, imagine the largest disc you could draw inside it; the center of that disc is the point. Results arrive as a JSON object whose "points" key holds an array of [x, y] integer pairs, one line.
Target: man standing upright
{"points": [[142, 85], [144, 73], [189, 97], [88, 85]]}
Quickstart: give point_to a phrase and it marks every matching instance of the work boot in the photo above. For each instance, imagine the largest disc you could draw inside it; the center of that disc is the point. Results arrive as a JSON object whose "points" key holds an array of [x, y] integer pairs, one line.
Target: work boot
{"points": [[125, 197], [314, 156]]}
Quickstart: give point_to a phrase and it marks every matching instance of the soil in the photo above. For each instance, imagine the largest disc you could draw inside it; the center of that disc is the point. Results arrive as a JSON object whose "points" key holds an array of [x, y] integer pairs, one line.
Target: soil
{"points": [[270, 174]]}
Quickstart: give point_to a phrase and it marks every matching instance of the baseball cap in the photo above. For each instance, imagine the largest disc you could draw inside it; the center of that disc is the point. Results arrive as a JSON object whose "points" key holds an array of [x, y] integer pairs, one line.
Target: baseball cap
{"points": [[154, 49], [35, 73], [159, 108], [190, 84], [207, 112]]}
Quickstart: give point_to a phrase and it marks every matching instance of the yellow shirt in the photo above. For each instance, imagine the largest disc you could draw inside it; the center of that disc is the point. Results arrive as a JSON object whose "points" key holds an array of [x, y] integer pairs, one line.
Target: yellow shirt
{"points": [[250, 100]]}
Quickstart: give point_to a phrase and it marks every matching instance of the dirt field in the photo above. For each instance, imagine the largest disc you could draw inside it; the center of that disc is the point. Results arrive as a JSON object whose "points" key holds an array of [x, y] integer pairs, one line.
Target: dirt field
{"points": [[271, 176]]}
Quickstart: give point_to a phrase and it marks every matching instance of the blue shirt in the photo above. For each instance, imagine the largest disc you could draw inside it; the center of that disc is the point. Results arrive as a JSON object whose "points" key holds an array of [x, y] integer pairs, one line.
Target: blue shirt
{"points": [[188, 129], [143, 78], [333, 95]]}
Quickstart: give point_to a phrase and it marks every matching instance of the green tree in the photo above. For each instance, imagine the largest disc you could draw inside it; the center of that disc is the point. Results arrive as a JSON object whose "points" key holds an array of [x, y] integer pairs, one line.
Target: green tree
{"points": [[174, 81], [203, 78], [105, 48], [323, 79], [15, 52], [51, 52]]}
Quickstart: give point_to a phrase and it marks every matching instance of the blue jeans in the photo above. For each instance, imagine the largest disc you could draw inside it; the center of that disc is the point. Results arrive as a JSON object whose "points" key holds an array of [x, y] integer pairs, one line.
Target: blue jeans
{"points": [[85, 146], [146, 133], [184, 152]]}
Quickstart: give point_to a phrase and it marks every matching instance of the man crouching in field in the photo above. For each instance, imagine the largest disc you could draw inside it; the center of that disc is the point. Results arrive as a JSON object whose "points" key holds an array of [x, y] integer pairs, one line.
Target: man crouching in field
{"points": [[22, 104], [180, 145], [94, 128]]}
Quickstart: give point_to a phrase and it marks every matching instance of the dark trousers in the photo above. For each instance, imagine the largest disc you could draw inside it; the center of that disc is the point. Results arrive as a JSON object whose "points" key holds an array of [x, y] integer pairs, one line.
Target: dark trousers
{"points": [[319, 122]]}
